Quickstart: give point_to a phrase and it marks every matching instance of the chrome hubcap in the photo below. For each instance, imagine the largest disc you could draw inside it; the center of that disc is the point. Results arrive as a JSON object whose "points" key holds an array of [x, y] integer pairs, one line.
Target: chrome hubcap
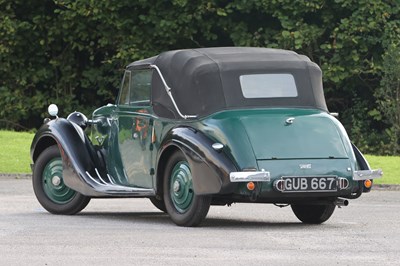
{"points": [[177, 186], [181, 187], [53, 185], [56, 180]]}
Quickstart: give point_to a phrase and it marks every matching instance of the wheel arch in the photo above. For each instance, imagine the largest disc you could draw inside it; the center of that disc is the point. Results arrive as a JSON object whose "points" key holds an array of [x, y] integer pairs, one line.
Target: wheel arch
{"points": [[80, 158], [161, 165], [42, 144], [54, 196], [210, 168]]}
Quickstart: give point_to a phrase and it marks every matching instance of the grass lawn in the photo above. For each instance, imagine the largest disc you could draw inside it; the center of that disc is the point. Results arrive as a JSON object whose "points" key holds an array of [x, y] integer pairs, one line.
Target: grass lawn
{"points": [[14, 152], [14, 157], [390, 166]]}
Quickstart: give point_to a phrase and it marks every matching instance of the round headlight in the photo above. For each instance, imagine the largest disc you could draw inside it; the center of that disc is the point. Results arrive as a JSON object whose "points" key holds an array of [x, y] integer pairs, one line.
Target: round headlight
{"points": [[52, 109]]}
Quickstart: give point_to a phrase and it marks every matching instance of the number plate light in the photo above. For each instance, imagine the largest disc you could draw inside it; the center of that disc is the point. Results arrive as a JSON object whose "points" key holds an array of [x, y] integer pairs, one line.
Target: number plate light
{"points": [[343, 183], [279, 185]]}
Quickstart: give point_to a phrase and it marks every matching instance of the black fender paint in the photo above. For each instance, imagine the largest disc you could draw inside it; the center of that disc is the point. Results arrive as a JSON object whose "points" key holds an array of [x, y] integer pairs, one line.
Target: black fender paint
{"points": [[78, 155], [210, 169], [362, 164]]}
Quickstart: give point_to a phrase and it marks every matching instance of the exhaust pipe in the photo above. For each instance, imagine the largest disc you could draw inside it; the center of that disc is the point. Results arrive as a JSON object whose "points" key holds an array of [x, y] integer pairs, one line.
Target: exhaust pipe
{"points": [[341, 202]]}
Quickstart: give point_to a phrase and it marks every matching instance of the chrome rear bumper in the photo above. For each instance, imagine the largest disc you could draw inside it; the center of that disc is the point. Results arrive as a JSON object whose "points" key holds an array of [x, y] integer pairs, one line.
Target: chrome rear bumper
{"points": [[250, 176], [367, 174]]}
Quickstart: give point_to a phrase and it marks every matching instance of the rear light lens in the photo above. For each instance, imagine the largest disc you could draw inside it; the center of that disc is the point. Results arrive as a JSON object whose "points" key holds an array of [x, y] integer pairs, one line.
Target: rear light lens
{"points": [[251, 186], [368, 183]]}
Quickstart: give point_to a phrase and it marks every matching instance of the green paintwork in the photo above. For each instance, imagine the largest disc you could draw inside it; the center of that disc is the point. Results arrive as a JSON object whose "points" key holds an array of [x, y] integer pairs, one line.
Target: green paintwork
{"points": [[331, 167], [106, 110], [309, 136], [261, 134], [126, 136], [181, 186], [133, 145], [57, 192], [254, 139], [261, 139], [100, 132]]}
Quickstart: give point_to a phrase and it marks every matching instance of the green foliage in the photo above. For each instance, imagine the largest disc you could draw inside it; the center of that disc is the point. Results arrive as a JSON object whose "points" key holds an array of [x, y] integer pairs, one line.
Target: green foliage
{"points": [[72, 53], [388, 96]]}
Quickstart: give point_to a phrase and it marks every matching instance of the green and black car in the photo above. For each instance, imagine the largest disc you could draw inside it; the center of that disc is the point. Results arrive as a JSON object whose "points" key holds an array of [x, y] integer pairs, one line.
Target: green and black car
{"points": [[200, 127]]}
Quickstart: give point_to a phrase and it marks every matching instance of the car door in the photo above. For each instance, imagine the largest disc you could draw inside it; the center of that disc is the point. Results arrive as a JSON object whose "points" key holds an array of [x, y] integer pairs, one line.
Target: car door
{"points": [[132, 129]]}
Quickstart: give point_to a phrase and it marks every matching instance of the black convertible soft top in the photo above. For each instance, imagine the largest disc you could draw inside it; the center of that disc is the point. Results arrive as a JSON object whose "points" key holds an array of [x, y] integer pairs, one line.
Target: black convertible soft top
{"points": [[206, 80]]}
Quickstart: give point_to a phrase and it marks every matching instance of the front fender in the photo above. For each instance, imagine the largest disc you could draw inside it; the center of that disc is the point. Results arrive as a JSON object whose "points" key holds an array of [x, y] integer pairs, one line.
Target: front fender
{"points": [[78, 155], [210, 169]]}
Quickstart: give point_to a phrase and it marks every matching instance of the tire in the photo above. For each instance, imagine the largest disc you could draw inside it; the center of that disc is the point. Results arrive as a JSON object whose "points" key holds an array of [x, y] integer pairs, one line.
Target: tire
{"points": [[159, 204], [313, 214], [49, 186], [183, 206]]}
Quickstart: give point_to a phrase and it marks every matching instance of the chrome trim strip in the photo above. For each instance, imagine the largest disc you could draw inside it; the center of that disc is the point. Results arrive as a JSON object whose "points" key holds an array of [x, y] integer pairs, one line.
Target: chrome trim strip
{"points": [[117, 188], [94, 180], [217, 146], [290, 120], [99, 176], [111, 179], [334, 114], [367, 174], [168, 90], [262, 176]]}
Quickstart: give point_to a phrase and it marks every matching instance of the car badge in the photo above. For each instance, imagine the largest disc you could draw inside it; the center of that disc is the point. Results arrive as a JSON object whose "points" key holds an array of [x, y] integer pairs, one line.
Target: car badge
{"points": [[305, 166]]}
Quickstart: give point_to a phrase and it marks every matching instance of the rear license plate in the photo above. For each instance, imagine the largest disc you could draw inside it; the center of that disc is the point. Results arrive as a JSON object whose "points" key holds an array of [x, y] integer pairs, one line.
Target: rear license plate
{"points": [[309, 184]]}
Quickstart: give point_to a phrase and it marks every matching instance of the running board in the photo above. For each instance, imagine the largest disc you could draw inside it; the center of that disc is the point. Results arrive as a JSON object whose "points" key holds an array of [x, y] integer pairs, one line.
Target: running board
{"points": [[95, 184]]}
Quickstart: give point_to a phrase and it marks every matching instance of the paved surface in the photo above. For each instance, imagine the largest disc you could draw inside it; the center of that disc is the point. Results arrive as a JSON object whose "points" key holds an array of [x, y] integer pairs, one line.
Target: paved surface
{"points": [[133, 232]]}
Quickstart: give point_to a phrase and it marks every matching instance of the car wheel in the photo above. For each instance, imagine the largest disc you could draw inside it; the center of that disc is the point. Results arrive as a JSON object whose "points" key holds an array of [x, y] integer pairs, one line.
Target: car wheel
{"points": [[183, 206], [159, 204], [49, 186], [313, 214]]}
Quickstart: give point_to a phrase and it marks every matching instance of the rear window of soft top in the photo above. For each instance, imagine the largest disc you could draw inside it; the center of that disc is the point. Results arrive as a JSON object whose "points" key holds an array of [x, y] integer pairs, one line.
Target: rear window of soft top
{"points": [[268, 86]]}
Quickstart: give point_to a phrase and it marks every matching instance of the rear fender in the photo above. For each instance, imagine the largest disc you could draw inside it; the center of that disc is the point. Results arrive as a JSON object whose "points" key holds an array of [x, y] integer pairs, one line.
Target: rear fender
{"points": [[210, 168], [78, 155], [362, 164], [361, 161]]}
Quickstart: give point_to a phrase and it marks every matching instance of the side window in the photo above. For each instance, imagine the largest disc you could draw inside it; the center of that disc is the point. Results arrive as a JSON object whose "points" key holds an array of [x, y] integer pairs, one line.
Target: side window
{"points": [[124, 92], [141, 87]]}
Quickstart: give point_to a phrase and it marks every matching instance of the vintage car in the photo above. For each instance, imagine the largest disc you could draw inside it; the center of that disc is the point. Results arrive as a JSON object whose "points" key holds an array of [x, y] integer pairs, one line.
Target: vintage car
{"points": [[199, 127]]}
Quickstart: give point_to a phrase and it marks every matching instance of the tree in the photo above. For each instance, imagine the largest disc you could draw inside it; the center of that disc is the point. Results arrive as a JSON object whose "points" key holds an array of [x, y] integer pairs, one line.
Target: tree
{"points": [[388, 97], [73, 52]]}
